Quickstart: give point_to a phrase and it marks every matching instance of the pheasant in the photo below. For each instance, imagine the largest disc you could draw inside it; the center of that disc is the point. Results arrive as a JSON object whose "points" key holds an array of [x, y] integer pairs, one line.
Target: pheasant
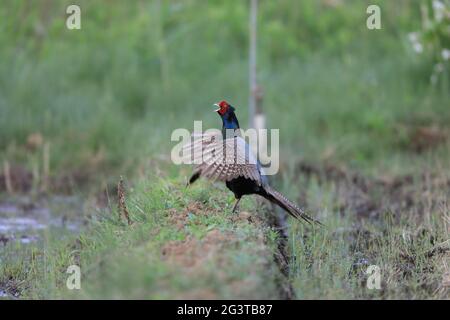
{"points": [[227, 157]]}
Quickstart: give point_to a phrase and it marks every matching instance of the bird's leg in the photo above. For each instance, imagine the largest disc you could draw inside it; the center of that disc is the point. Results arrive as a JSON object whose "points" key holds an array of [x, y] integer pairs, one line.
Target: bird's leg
{"points": [[236, 204]]}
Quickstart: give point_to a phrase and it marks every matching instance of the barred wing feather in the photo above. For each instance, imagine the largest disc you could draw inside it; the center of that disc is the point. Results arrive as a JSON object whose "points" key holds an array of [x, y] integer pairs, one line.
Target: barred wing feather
{"points": [[223, 159]]}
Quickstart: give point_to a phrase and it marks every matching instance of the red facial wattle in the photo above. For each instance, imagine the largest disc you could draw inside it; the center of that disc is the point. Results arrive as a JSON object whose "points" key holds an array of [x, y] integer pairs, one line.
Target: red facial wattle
{"points": [[222, 107]]}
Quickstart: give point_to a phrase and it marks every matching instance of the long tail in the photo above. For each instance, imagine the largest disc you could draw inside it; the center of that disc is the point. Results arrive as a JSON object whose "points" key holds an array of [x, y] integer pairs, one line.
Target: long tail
{"points": [[290, 207]]}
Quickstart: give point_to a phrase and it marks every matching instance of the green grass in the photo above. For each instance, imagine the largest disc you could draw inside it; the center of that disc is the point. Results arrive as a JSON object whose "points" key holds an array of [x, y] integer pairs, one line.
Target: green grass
{"points": [[183, 243], [106, 99], [333, 264], [186, 243], [99, 96]]}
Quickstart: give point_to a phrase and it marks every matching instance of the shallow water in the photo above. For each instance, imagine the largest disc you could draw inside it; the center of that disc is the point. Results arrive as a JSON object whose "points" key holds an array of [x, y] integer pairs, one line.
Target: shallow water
{"points": [[24, 221]]}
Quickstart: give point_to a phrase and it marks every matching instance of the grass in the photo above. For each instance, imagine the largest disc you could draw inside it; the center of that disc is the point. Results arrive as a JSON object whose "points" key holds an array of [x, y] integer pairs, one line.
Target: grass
{"points": [[186, 243], [105, 100], [97, 97], [181, 244], [409, 249]]}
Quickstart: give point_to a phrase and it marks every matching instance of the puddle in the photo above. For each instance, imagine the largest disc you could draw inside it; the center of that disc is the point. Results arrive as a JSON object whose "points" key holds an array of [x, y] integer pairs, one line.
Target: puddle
{"points": [[4, 295], [24, 221], [19, 224]]}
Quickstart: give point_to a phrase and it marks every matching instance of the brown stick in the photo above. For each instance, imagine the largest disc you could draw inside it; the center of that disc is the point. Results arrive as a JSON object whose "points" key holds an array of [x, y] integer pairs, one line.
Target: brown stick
{"points": [[121, 205]]}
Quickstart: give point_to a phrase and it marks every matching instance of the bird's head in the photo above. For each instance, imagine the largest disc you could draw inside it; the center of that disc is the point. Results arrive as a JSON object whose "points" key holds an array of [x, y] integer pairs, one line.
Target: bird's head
{"points": [[223, 108], [226, 112]]}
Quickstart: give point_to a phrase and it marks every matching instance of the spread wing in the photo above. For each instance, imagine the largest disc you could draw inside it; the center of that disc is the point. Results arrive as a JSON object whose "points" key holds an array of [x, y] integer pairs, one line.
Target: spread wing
{"points": [[223, 159]]}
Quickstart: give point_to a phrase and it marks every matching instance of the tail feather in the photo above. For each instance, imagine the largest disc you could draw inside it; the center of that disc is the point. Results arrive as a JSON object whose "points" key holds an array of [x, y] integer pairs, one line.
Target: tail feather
{"points": [[290, 207]]}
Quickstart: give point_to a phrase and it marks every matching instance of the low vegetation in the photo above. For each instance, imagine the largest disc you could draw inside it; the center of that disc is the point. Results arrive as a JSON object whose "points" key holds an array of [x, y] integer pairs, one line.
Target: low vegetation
{"points": [[364, 147]]}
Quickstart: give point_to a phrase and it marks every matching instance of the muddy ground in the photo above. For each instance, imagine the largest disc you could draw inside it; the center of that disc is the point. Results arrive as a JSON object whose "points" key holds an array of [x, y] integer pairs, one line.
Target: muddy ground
{"points": [[385, 203]]}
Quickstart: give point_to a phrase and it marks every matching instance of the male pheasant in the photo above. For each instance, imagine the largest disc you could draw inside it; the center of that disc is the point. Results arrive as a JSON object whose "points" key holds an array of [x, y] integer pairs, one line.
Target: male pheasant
{"points": [[227, 157]]}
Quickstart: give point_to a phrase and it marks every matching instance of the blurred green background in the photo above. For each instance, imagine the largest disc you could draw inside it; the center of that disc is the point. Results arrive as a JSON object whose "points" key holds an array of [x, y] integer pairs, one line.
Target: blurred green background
{"points": [[106, 98], [364, 131]]}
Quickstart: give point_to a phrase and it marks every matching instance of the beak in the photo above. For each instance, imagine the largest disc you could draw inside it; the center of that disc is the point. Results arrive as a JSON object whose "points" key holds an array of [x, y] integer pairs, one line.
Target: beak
{"points": [[217, 106]]}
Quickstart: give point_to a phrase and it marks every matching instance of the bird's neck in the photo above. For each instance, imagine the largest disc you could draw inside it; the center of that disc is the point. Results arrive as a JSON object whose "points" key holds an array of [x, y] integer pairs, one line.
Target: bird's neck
{"points": [[230, 124]]}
